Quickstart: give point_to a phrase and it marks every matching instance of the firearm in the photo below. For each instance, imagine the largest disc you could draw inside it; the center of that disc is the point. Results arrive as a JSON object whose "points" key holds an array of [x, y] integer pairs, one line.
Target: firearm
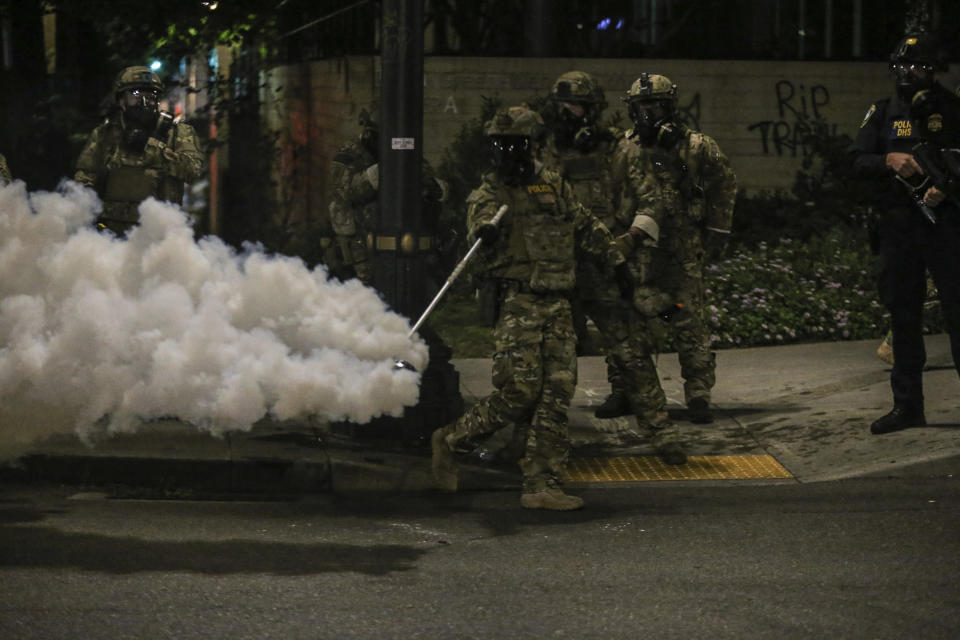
{"points": [[942, 168], [916, 187]]}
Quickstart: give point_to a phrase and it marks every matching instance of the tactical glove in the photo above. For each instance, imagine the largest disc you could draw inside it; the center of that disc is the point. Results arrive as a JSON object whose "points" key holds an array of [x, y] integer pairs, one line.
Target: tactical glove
{"points": [[488, 233]]}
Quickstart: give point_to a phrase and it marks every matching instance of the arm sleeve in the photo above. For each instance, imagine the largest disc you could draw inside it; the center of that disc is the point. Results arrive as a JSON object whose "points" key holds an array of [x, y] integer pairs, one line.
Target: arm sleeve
{"points": [[481, 209], [179, 156], [91, 167], [720, 188], [868, 151], [592, 236]]}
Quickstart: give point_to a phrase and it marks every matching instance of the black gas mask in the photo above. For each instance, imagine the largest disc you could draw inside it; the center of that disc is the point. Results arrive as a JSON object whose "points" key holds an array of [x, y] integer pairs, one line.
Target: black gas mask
{"points": [[512, 158], [911, 77], [574, 125], [653, 122], [141, 114]]}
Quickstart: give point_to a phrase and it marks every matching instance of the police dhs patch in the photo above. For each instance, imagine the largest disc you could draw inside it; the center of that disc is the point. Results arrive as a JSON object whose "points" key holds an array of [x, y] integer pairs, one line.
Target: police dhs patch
{"points": [[935, 123], [872, 110]]}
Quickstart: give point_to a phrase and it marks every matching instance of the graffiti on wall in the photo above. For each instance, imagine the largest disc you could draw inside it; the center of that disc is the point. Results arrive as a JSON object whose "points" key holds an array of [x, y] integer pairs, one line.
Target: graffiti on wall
{"points": [[799, 116], [690, 114]]}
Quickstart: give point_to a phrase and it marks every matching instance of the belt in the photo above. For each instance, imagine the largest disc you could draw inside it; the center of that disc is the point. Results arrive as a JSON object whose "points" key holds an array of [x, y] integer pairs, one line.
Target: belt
{"points": [[519, 286]]}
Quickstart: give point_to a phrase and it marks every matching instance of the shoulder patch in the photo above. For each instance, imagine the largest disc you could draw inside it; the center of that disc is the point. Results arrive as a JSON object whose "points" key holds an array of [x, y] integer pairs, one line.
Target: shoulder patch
{"points": [[872, 110]]}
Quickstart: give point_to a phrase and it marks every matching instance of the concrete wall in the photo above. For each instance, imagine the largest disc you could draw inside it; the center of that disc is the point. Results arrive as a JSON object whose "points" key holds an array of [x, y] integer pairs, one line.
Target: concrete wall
{"points": [[750, 107]]}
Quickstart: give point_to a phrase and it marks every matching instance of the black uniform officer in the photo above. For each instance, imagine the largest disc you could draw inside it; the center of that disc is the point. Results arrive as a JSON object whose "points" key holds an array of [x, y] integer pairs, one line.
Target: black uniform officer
{"points": [[908, 240]]}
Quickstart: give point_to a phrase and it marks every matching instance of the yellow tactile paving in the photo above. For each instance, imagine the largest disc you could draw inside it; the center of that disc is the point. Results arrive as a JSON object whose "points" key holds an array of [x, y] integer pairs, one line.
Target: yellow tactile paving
{"points": [[647, 468]]}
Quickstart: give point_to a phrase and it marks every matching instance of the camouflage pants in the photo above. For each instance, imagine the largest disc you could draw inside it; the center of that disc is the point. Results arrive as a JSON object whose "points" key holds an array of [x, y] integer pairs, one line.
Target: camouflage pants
{"points": [[534, 378], [628, 349], [689, 330], [353, 250]]}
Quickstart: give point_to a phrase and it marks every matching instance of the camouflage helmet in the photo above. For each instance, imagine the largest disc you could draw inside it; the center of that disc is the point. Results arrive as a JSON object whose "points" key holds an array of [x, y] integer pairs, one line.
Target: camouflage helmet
{"points": [[652, 87], [578, 87], [921, 48], [136, 77], [516, 121]]}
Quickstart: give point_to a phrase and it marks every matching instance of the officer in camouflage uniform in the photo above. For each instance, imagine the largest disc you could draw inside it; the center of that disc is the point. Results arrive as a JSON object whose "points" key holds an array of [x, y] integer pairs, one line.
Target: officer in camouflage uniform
{"points": [[531, 257], [138, 152], [355, 207], [684, 191], [5, 177], [582, 152]]}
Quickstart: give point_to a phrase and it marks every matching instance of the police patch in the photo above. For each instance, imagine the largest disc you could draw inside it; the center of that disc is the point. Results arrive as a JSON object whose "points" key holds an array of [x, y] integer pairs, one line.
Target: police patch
{"points": [[935, 123], [872, 110]]}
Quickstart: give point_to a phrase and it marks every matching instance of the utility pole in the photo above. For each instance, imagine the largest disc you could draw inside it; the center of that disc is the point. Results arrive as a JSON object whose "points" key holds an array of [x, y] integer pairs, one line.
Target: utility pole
{"points": [[402, 242]]}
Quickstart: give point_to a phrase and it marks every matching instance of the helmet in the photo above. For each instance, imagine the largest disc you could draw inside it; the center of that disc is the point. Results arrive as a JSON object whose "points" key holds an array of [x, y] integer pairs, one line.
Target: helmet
{"points": [[578, 101], [516, 121], [651, 104], [512, 133], [579, 87], [136, 78], [652, 87], [921, 48], [913, 64]]}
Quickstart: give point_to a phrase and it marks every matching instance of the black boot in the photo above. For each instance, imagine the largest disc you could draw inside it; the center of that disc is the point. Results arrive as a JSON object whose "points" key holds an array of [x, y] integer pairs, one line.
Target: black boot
{"points": [[700, 412], [902, 417], [615, 406]]}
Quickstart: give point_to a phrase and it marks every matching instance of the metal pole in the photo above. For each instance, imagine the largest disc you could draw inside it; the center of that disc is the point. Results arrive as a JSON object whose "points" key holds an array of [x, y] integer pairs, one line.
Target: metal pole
{"points": [[456, 272], [398, 264]]}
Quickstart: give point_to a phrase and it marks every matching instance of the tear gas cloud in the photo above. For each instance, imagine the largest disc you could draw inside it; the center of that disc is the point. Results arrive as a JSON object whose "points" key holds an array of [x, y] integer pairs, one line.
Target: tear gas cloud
{"points": [[99, 333]]}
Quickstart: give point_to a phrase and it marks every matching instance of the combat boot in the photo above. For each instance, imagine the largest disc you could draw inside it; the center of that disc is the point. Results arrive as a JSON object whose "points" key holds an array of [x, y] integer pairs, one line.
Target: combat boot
{"points": [[665, 437], [552, 498], [615, 406], [901, 417], [442, 464], [700, 412]]}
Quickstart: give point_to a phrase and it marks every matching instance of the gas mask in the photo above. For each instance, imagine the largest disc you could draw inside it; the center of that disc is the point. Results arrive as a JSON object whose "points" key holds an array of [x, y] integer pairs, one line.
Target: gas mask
{"points": [[512, 157], [653, 123], [141, 112], [910, 78]]}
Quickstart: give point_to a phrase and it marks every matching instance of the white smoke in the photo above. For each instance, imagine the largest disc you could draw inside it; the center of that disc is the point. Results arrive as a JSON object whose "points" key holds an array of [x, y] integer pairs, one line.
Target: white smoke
{"points": [[99, 333]]}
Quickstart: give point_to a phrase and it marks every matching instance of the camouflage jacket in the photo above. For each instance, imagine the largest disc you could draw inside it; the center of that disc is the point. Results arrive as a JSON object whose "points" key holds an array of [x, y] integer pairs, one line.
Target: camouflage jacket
{"points": [[542, 233], [677, 194], [123, 178], [590, 174], [5, 177], [355, 181]]}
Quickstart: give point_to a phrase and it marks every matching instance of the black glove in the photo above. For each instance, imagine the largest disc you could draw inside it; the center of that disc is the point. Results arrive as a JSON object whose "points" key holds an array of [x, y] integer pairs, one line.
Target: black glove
{"points": [[488, 233], [625, 281], [135, 139]]}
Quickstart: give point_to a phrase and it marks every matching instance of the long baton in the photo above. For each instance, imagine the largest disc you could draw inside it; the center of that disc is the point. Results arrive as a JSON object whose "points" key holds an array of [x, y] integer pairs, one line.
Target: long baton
{"points": [[456, 272]]}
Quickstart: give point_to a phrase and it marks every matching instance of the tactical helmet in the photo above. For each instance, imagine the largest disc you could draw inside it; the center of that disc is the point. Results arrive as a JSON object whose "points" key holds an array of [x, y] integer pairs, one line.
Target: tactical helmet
{"points": [[652, 87], [913, 63], [136, 77], [516, 121], [921, 48], [651, 105], [578, 87]]}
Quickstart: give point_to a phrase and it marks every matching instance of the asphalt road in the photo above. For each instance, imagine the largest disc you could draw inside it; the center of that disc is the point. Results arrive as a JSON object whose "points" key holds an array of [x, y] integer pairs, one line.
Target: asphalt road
{"points": [[865, 558]]}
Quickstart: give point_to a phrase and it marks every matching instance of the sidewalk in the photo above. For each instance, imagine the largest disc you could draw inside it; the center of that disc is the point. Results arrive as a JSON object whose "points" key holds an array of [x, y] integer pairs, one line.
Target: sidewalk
{"points": [[807, 407]]}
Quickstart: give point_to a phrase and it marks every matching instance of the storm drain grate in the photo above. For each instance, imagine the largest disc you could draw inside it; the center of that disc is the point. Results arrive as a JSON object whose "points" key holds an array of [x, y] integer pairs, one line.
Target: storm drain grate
{"points": [[646, 468]]}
